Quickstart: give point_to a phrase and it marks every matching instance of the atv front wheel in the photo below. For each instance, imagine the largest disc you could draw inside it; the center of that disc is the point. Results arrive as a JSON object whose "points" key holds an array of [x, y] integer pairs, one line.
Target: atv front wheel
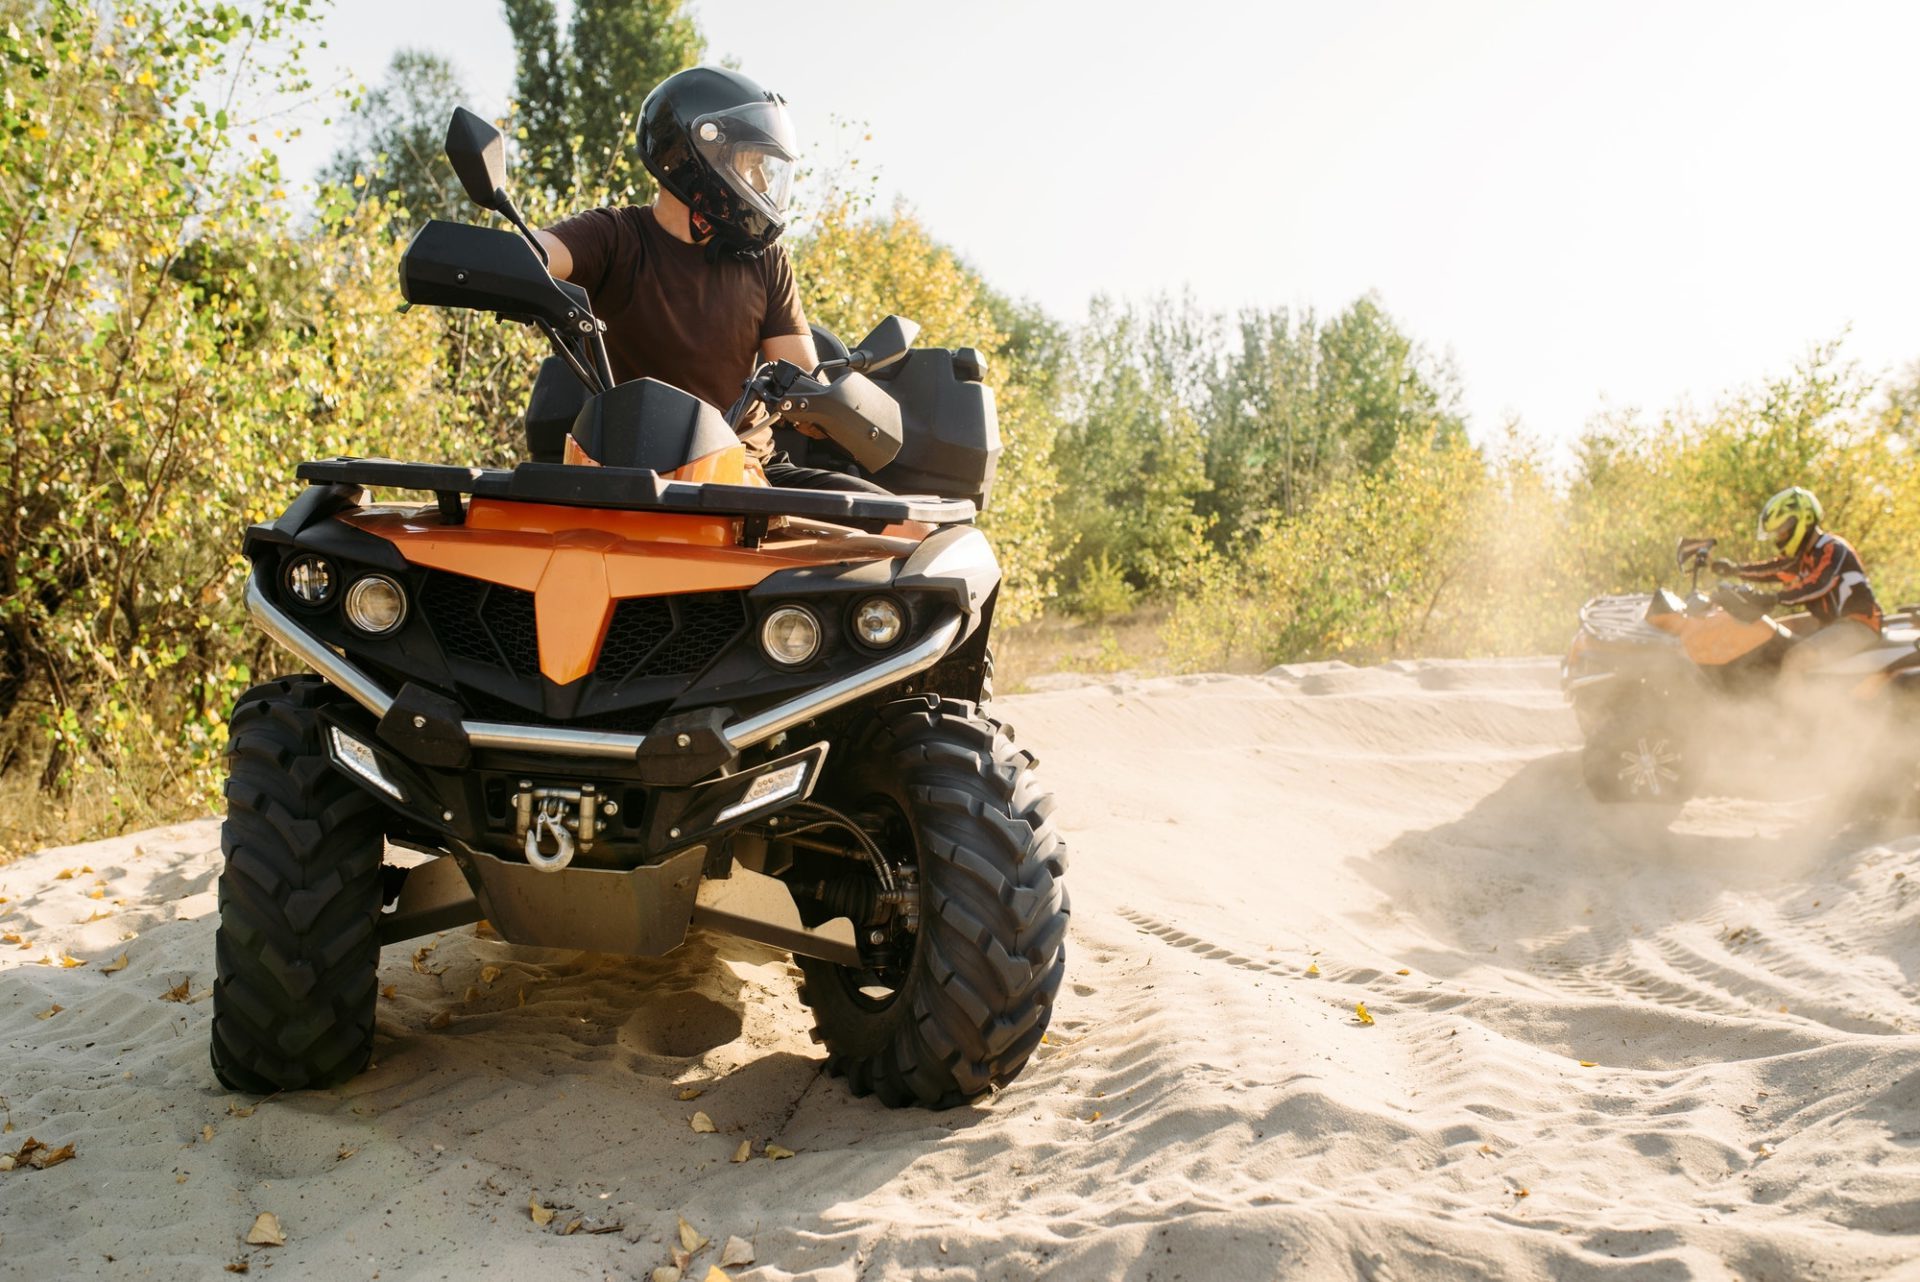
{"points": [[295, 955], [963, 999], [1637, 758]]}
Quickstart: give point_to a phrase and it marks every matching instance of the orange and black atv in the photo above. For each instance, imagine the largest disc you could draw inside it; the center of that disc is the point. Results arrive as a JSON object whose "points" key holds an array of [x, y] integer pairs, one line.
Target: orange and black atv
{"points": [[598, 700], [1657, 681]]}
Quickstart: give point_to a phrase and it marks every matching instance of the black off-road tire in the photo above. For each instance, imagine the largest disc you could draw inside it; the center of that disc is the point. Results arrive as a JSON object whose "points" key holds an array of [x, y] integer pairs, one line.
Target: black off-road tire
{"points": [[990, 951], [1638, 755], [296, 958]]}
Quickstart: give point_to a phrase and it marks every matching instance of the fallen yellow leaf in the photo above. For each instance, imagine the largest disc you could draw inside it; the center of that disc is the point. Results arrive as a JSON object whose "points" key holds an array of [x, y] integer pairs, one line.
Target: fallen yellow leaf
{"points": [[1360, 1013], [98, 892], [742, 1153], [1313, 968], [717, 1274], [1587, 1063], [68, 961], [1096, 1116], [115, 966], [266, 1231], [206, 1133], [702, 1124], [50, 1011], [1403, 971], [241, 1110], [691, 1092], [690, 1237], [541, 1215], [178, 993], [489, 973], [440, 1019], [736, 1252], [344, 1153], [390, 992], [775, 1152], [11, 937], [65, 874]]}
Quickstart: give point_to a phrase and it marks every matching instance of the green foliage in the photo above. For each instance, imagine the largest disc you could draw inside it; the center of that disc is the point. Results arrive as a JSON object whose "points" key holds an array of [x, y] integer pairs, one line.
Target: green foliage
{"points": [[1132, 456], [1102, 591], [577, 100], [396, 146], [1300, 404], [167, 344]]}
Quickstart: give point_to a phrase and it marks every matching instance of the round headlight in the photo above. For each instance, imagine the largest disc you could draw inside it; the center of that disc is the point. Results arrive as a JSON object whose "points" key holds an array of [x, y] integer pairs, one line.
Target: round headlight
{"points": [[790, 636], [311, 580], [375, 604], [878, 621]]}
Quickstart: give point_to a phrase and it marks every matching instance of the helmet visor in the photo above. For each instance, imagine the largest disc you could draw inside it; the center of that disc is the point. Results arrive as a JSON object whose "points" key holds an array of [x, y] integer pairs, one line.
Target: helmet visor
{"points": [[752, 148]]}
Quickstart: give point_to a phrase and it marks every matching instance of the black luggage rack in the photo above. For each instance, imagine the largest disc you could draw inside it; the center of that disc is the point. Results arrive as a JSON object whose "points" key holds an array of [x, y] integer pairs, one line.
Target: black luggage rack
{"points": [[634, 490]]}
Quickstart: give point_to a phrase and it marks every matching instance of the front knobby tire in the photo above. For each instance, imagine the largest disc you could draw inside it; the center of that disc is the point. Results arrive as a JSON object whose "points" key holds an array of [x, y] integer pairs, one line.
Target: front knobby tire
{"points": [[295, 956], [966, 1012]]}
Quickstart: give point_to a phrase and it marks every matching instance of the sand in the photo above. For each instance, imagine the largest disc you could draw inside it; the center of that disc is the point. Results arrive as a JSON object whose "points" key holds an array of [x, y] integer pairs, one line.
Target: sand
{"points": [[1743, 983]]}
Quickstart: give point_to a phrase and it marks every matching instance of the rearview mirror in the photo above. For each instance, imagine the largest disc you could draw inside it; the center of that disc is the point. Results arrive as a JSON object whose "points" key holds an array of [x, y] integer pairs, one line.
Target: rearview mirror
{"points": [[889, 341], [478, 155]]}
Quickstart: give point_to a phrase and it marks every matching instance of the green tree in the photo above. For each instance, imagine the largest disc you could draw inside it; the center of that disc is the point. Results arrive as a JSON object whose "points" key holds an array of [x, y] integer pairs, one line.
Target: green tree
{"points": [[577, 99], [1302, 403], [396, 140], [1131, 448]]}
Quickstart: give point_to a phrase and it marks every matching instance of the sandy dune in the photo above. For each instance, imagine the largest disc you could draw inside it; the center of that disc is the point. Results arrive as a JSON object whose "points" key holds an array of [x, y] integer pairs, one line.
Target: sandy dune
{"points": [[1746, 984]]}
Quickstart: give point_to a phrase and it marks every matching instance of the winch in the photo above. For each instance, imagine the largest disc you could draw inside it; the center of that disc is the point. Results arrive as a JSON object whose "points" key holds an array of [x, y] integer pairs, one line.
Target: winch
{"points": [[557, 821]]}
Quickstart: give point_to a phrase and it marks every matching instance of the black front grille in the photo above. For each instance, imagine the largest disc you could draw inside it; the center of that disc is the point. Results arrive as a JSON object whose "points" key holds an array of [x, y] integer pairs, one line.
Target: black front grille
{"points": [[648, 637], [482, 622], [705, 624], [639, 626]]}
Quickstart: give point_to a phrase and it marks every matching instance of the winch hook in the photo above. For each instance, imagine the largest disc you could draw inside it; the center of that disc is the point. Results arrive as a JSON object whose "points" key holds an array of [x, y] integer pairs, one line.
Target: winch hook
{"points": [[550, 823]]}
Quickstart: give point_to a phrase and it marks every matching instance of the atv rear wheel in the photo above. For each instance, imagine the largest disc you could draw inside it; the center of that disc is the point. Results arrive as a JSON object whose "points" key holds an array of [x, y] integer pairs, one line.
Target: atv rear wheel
{"points": [[295, 955], [1637, 755], [972, 989]]}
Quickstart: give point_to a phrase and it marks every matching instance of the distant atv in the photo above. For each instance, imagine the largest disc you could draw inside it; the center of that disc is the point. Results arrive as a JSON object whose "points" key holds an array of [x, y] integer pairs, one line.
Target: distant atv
{"points": [[1655, 678], [627, 687]]}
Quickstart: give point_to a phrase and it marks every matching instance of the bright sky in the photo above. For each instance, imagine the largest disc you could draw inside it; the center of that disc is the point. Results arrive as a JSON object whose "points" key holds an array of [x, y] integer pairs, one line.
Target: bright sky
{"points": [[1625, 203]]}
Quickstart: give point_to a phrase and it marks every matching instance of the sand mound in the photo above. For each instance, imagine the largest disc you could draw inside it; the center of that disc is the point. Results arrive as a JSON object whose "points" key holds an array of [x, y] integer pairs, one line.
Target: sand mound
{"points": [[1744, 982]]}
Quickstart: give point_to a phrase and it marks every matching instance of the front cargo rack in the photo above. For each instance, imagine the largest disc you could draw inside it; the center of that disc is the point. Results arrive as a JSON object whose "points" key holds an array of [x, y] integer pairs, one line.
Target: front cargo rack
{"points": [[634, 490]]}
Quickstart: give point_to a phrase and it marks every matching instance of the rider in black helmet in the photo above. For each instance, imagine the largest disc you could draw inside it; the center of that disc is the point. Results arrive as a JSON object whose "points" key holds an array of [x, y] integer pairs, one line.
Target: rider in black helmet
{"points": [[696, 289]]}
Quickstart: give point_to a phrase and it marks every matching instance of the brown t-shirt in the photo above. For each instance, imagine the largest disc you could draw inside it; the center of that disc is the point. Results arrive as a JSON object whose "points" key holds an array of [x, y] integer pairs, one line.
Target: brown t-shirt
{"points": [[674, 316]]}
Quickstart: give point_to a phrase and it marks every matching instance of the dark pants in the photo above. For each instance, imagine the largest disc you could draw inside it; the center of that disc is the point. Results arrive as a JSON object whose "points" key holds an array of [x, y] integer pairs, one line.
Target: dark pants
{"points": [[788, 475]]}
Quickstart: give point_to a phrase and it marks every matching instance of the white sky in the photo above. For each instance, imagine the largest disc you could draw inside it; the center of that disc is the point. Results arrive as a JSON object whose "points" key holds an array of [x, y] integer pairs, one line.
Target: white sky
{"points": [[1609, 204]]}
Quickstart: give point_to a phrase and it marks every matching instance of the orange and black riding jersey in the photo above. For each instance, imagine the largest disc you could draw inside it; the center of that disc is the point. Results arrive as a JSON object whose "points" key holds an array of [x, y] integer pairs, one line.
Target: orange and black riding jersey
{"points": [[1827, 577]]}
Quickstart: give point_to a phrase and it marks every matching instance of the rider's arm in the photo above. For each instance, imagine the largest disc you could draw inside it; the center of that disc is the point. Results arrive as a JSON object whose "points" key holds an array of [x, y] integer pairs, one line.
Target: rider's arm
{"points": [[1778, 570], [1817, 581], [559, 257], [797, 348], [583, 247]]}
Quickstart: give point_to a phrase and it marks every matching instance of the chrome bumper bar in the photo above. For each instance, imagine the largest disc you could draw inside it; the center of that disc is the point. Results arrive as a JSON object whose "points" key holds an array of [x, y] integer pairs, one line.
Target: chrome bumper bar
{"points": [[744, 733]]}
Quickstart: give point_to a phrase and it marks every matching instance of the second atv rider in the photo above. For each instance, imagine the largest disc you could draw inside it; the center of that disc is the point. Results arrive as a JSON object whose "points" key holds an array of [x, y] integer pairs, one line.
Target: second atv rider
{"points": [[1816, 569], [694, 288]]}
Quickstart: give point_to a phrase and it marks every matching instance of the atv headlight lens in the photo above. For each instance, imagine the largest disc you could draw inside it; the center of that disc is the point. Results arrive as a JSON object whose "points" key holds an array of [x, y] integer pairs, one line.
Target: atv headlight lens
{"points": [[312, 581], [879, 622], [790, 636], [375, 604]]}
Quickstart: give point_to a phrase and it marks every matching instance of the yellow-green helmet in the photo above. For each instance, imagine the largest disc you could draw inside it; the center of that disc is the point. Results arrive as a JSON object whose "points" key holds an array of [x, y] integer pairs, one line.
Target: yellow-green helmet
{"points": [[1789, 519]]}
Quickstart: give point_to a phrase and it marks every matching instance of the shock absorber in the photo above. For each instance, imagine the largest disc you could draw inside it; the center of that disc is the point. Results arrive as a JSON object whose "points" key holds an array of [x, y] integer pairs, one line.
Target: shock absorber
{"points": [[863, 903]]}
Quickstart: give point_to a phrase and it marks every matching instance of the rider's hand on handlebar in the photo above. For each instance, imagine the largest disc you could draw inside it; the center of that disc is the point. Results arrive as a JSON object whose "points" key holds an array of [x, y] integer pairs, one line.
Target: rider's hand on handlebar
{"points": [[1723, 566]]}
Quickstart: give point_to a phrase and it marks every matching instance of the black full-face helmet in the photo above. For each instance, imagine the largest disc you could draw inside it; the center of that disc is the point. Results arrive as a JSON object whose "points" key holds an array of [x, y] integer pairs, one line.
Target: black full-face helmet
{"points": [[725, 146]]}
